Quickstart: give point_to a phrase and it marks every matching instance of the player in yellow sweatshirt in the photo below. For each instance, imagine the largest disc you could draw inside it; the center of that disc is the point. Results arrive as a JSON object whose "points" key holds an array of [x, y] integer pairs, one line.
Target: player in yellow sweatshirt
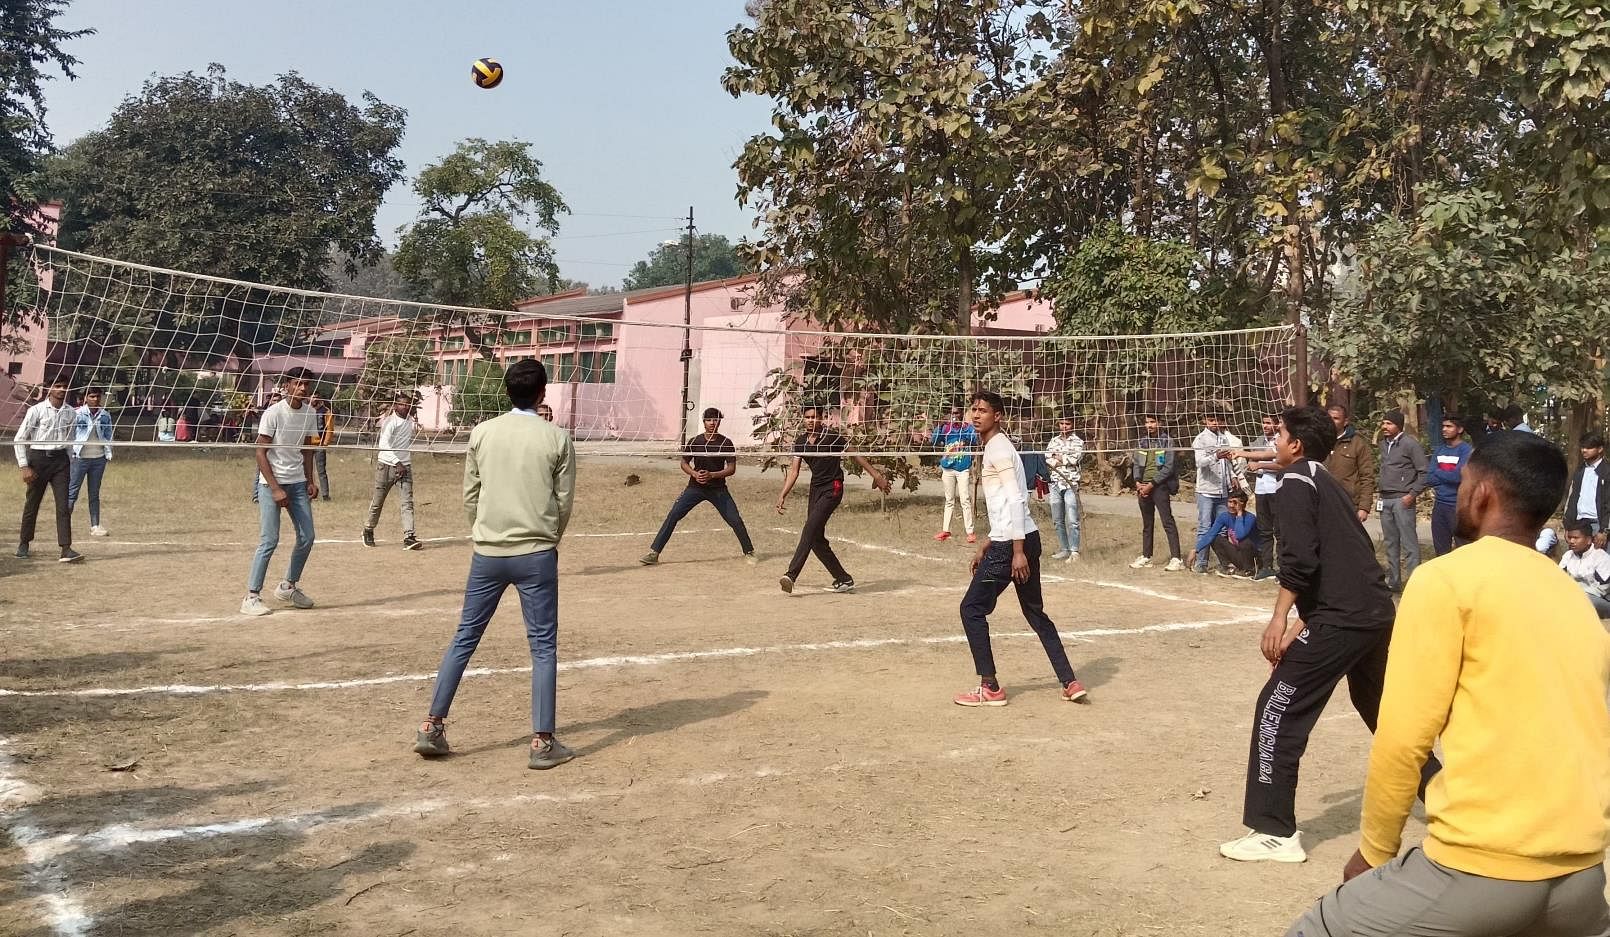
{"points": [[1499, 654]]}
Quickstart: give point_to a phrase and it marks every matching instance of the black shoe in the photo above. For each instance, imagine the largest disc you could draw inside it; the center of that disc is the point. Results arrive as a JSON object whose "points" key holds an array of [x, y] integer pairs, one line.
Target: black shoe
{"points": [[368, 537], [22, 551], [844, 586], [70, 555], [411, 542], [326, 498]]}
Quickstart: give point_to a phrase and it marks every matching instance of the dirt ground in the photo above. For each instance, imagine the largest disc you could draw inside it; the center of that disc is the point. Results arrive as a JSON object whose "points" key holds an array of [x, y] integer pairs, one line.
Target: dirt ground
{"points": [[749, 762]]}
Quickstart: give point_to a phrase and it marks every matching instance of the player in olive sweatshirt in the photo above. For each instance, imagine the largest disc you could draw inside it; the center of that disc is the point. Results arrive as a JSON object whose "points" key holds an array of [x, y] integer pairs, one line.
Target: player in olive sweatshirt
{"points": [[1497, 654]]}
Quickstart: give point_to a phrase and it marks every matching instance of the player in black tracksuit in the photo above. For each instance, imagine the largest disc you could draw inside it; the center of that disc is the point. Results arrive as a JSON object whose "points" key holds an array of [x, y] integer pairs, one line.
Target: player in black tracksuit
{"points": [[1328, 571]]}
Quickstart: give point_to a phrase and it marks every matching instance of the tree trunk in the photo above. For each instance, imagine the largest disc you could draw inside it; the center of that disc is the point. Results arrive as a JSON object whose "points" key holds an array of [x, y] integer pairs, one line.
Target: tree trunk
{"points": [[964, 292]]}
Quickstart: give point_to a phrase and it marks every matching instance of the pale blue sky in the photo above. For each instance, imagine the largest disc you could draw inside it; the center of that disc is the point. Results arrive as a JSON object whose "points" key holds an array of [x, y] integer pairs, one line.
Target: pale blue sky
{"points": [[622, 101]]}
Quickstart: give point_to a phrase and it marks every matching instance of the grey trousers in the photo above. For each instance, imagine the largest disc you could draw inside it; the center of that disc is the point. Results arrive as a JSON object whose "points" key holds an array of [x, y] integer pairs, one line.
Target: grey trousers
{"points": [[385, 477], [1412, 896], [1402, 540]]}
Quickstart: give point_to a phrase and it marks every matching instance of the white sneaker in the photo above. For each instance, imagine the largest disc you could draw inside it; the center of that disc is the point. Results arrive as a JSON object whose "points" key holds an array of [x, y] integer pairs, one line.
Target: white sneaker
{"points": [[1060, 555], [1174, 565], [1261, 847], [98, 531], [1072, 557], [293, 595], [1141, 562], [253, 605]]}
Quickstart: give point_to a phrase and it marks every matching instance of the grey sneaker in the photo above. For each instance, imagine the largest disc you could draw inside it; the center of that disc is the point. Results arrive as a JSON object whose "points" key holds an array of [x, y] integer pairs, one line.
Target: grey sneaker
{"points": [[368, 537], [750, 558], [430, 740], [843, 586], [70, 555], [286, 592], [22, 551], [549, 753], [787, 584], [650, 558]]}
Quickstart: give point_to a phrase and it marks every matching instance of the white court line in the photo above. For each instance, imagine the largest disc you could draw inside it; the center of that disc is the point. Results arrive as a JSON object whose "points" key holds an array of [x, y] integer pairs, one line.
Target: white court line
{"points": [[326, 540], [119, 836], [597, 663], [1044, 577], [65, 914]]}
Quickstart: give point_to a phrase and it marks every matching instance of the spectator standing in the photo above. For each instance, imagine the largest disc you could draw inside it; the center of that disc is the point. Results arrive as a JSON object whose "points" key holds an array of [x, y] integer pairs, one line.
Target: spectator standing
{"points": [[1443, 475], [1403, 477]]}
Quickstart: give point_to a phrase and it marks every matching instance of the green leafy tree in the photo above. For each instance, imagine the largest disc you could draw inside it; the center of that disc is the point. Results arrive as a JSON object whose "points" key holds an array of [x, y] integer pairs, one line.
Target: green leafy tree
{"points": [[468, 247], [714, 258], [479, 396], [251, 182], [30, 42]]}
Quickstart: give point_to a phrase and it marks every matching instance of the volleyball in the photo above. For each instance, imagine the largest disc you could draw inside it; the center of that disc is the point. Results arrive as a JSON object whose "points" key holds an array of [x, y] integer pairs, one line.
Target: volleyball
{"points": [[488, 73]]}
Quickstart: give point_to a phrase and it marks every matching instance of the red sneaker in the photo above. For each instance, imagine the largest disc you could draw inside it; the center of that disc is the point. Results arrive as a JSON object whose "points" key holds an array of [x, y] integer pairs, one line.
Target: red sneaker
{"points": [[972, 538], [942, 535], [1075, 692], [981, 696]]}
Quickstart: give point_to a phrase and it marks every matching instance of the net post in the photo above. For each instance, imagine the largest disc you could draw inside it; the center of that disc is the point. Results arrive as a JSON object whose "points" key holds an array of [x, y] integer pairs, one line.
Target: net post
{"points": [[1299, 371]]}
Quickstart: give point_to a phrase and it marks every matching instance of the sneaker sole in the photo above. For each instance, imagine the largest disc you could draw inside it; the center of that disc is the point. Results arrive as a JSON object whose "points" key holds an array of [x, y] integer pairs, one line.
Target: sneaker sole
{"points": [[981, 703], [425, 751], [554, 763], [1288, 860], [1083, 696], [416, 545], [257, 614], [787, 585], [70, 559]]}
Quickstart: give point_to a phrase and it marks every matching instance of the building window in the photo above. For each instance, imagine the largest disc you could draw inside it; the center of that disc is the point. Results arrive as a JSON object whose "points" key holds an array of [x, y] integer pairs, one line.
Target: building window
{"points": [[522, 337], [597, 367], [597, 331], [453, 343], [555, 334], [14, 369]]}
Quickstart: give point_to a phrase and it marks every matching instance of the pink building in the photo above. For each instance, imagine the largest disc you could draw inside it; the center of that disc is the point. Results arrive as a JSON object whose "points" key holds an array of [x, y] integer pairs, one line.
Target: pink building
{"points": [[24, 370]]}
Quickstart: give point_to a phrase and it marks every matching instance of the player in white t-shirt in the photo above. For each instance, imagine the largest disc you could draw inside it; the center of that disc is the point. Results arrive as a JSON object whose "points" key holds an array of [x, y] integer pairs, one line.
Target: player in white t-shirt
{"points": [[393, 467], [285, 479], [1011, 555], [1587, 564]]}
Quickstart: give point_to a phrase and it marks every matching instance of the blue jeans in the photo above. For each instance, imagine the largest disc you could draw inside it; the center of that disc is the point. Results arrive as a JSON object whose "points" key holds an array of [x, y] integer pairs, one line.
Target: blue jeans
{"points": [[94, 468], [301, 511], [720, 499], [536, 577], [1208, 509], [1065, 517]]}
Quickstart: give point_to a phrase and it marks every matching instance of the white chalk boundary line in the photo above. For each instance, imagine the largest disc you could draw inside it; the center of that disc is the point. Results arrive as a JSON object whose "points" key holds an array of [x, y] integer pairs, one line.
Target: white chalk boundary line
{"points": [[339, 541], [64, 913], [120, 836], [599, 663]]}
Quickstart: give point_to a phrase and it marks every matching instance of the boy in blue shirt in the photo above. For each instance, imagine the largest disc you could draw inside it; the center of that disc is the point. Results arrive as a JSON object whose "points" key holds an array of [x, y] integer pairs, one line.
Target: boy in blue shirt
{"points": [[1234, 538], [957, 439], [1443, 475]]}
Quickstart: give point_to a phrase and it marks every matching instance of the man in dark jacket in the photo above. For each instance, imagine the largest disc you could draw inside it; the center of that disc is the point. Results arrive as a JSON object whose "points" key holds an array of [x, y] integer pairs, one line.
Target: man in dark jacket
{"points": [[1351, 462], [1589, 496], [1156, 481], [1343, 627]]}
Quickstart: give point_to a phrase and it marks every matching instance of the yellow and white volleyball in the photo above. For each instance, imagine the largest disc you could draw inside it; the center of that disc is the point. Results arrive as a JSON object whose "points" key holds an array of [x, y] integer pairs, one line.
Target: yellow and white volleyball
{"points": [[488, 73]]}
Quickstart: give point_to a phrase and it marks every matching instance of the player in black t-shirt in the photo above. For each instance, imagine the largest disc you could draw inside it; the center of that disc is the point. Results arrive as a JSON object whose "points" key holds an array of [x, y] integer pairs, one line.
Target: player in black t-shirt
{"points": [[707, 481], [827, 490]]}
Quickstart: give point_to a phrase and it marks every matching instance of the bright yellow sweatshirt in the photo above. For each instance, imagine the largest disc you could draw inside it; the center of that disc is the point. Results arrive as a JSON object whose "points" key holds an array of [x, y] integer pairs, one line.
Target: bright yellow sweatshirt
{"points": [[519, 484], [1500, 654]]}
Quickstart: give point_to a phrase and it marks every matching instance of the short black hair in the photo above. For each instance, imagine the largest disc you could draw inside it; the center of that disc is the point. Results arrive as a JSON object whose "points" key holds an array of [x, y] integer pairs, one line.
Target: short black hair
{"points": [[1338, 406], [58, 381], [1455, 419], [299, 374], [1237, 495], [992, 399], [711, 413], [403, 395], [1579, 525], [94, 390], [1592, 441], [1151, 415], [1528, 469], [524, 382], [1312, 427], [1514, 414]]}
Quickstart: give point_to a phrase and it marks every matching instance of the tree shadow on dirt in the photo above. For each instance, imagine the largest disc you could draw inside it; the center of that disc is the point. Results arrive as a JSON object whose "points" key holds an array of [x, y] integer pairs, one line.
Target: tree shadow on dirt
{"points": [[96, 809], [391, 600], [199, 883], [667, 716], [81, 665], [38, 713]]}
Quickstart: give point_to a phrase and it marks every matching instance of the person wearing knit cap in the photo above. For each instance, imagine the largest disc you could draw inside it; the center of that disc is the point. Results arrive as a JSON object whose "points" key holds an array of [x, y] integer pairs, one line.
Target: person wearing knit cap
{"points": [[1402, 478]]}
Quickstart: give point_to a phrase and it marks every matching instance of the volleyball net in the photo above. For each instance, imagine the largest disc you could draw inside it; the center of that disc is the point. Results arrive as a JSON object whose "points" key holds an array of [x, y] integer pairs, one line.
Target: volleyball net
{"points": [[188, 355]]}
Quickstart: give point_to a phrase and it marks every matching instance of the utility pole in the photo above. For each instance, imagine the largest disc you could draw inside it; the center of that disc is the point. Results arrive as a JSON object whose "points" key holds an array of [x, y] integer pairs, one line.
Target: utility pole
{"points": [[687, 334]]}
